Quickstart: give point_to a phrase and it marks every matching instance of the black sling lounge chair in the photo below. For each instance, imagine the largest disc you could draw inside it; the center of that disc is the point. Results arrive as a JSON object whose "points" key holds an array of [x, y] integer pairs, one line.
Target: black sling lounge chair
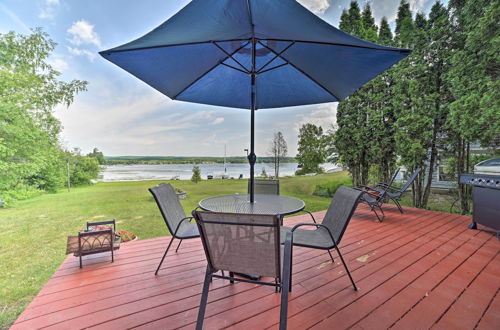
{"points": [[375, 196], [394, 193], [379, 194], [255, 249], [177, 222], [329, 232]]}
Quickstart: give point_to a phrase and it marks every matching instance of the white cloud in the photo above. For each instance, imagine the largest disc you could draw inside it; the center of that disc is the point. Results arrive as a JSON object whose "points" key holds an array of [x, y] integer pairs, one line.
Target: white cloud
{"points": [[323, 115], [82, 52], [49, 11], [82, 33], [58, 63], [316, 6], [389, 8], [218, 120], [417, 5]]}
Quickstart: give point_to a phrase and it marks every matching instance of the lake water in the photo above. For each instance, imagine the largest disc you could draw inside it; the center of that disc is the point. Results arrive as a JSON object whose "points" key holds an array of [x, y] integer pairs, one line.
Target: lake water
{"points": [[185, 171]]}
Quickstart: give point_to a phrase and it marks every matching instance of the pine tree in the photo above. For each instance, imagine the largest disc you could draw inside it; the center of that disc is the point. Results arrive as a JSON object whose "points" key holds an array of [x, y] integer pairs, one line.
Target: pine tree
{"points": [[370, 30], [384, 33]]}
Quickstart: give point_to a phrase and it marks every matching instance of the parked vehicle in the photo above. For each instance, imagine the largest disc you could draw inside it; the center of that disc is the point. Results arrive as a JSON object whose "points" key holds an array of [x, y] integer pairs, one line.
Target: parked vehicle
{"points": [[489, 166]]}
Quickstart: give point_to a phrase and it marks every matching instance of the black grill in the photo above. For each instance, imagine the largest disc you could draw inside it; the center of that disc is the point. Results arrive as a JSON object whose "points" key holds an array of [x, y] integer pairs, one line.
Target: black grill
{"points": [[485, 199]]}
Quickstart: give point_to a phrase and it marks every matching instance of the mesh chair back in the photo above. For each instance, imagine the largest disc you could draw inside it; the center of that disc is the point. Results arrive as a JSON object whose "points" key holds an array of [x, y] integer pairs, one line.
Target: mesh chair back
{"points": [[266, 187], [169, 205], [410, 181], [241, 243], [339, 213]]}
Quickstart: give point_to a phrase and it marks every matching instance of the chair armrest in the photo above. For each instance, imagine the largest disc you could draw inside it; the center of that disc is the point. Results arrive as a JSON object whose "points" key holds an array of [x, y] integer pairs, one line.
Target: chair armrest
{"points": [[314, 225], [180, 223], [376, 196], [312, 216]]}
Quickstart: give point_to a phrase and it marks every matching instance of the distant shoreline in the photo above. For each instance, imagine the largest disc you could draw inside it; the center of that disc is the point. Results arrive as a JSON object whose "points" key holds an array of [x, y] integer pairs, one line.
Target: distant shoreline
{"points": [[163, 160]]}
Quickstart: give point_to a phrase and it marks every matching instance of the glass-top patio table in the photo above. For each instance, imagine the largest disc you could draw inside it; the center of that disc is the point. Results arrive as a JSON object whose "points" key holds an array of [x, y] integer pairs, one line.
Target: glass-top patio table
{"points": [[264, 204]]}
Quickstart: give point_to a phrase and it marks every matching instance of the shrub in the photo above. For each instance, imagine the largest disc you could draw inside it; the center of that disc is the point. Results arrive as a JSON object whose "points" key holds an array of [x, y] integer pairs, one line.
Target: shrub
{"points": [[327, 189]]}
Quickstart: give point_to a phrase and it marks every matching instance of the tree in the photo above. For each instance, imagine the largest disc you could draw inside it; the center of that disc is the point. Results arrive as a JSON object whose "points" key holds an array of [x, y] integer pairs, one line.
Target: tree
{"points": [[365, 135], [474, 114], [97, 155], [278, 151], [384, 33], [312, 149], [83, 169], [30, 153], [196, 177]]}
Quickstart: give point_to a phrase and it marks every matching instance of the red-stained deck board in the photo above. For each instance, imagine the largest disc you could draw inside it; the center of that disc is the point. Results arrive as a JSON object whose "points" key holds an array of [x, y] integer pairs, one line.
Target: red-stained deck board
{"points": [[420, 269]]}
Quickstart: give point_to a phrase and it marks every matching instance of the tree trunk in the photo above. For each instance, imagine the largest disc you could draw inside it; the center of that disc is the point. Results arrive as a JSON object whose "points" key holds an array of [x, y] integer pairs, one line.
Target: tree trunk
{"points": [[463, 155], [432, 162]]}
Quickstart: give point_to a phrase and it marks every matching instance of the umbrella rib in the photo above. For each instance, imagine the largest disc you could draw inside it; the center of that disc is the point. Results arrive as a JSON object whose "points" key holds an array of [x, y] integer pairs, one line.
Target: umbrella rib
{"points": [[206, 72], [275, 56], [274, 67], [231, 56], [234, 68], [305, 74], [400, 50]]}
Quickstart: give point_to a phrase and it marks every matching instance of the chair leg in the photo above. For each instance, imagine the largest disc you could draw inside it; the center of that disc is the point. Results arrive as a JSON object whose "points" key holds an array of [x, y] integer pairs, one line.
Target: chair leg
{"points": [[345, 266], [112, 255], [286, 284], [178, 246], [376, 213], [164, 255], [204, 297], [80, 260], [231, 274], [333, 261], [398, 205]]}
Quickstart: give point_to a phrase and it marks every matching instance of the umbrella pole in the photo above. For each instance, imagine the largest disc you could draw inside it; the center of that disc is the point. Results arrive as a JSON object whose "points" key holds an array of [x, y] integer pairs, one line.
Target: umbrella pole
{"points": [[251, 157]]}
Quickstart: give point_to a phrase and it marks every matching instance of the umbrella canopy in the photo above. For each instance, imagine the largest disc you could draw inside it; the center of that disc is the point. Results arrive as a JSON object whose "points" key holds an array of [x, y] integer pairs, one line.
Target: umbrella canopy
{"points": [[252, 54]]}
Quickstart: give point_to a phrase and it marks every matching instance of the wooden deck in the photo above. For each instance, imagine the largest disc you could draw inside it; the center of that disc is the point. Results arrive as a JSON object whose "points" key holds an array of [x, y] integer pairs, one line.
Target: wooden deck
{"points": [[422, 269]]}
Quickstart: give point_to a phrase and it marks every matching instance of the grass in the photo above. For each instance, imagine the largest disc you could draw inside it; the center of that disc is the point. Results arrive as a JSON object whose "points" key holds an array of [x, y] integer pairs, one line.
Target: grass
{"points": [[33, 232]]}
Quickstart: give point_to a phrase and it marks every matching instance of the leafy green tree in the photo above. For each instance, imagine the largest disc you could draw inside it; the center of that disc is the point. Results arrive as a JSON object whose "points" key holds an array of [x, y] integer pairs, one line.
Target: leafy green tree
{"points": [[365, 134], [30, 153], [385, 33], [97, 155], [312, 150], [83, 169], [474, 114], [370, 30], [196, 177]]}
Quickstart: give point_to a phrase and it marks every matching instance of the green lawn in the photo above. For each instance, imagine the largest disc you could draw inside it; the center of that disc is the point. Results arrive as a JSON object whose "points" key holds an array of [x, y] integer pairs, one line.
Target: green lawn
{"points": [[33, 232]]}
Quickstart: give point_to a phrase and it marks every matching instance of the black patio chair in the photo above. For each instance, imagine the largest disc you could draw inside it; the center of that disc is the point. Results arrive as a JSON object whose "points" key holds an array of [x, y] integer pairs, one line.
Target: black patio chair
{"points": [[254, 250], [177, 222], [394, 193], [265, 187], [329, 232]]}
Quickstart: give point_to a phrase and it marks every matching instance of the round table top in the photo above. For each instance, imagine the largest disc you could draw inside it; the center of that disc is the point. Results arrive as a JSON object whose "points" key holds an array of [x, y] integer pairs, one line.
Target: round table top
{"points": [[263, 204]]}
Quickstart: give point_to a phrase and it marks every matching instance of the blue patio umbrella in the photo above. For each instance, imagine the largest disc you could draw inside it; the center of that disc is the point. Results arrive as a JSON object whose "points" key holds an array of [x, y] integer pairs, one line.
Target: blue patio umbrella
{"points": [[252, 54]]}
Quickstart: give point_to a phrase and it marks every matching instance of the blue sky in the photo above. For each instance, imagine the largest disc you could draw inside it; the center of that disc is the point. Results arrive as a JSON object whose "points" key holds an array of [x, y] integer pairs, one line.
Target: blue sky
{"points": [[121, 115]]}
